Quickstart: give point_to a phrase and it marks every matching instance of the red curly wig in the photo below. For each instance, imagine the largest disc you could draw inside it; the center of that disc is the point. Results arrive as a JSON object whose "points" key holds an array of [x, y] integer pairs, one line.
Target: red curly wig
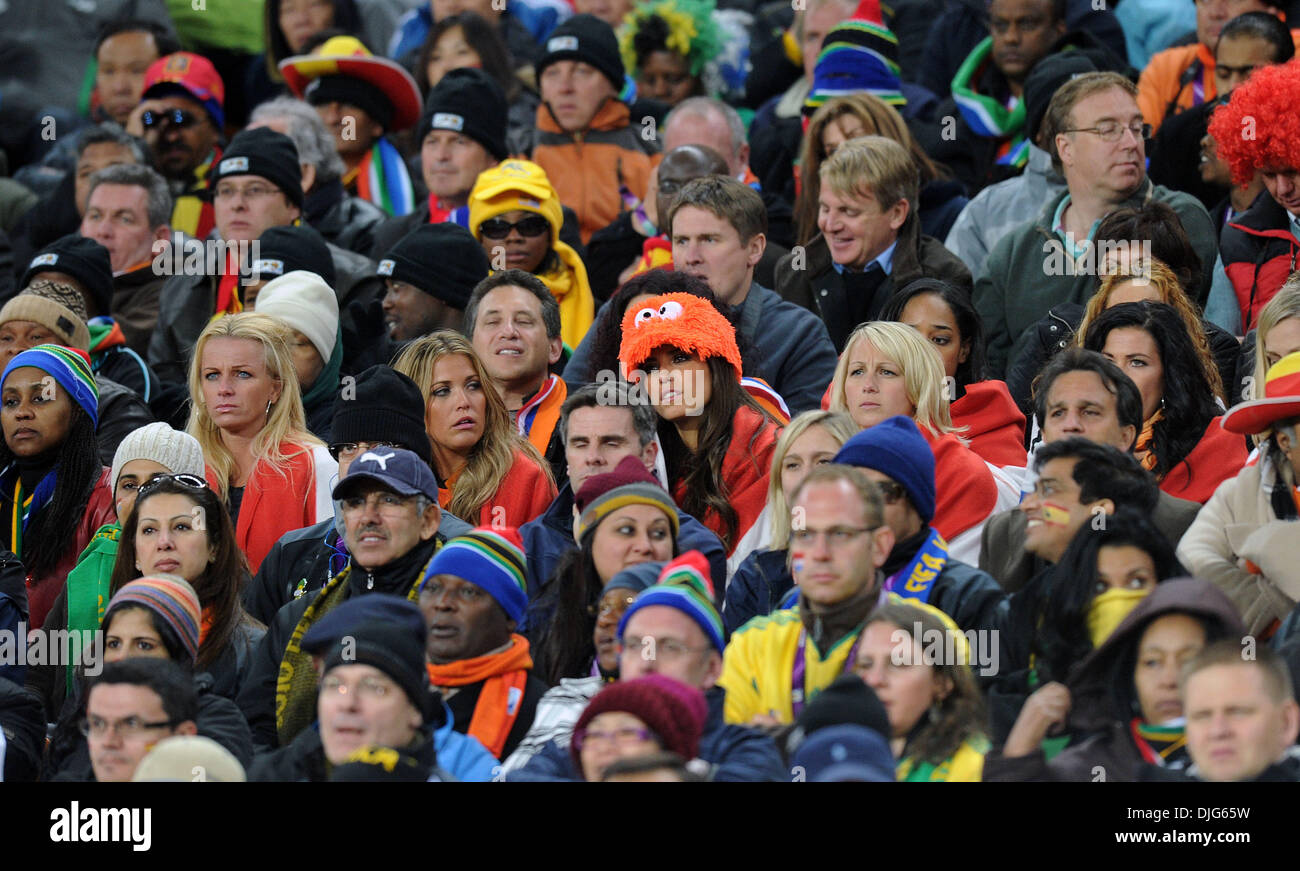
{"points": [[1259, 128]]}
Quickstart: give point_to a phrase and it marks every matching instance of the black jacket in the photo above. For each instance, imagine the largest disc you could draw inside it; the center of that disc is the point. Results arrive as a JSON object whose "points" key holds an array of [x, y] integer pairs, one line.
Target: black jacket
{"points": [[23, 723], [463, 702], [1285, 771], [346, 221], [121, 411], [303, 760]]}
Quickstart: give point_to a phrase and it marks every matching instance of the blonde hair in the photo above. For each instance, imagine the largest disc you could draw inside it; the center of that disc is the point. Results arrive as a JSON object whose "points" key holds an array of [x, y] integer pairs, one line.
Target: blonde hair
{"points": [[875, 164], [489, 460], [286, 423], [877, 117], [838, 425], [1171, 292], [922, 367], [1284, 304]]}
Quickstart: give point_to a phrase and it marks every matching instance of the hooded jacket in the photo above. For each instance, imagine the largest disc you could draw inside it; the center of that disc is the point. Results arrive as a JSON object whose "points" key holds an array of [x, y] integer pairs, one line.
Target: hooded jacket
{"points": [[1259, 252], [994, 426], [1027, 272], [588, 168], [813, 277], [745, 471], [1103, 701]]}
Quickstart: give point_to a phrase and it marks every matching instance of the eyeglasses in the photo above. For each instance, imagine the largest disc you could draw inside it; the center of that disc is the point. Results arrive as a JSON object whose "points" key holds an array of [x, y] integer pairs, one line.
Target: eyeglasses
{"points": [[625, 738], [350, 450], [131, 727], [1111, 131], [499, 228], [660, 649], [388, 504], [367, 686], [252, 192], [668, 186], [837, 536], [604, 609], [890, 491], [190, 482], [178, 118]]}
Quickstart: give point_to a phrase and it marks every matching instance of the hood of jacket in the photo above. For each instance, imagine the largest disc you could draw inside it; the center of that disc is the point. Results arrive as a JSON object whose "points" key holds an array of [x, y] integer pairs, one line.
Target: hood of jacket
{"points": [[1102, 686]]}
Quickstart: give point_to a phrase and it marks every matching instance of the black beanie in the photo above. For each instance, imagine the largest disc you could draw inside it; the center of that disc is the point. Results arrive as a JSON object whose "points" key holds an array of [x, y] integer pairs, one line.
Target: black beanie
{"points": [[85, 260], [848, 700], [282, 250], [382, 405], [590, 40], [471, 102], [1043, 81], [354, 92], [262, 151], [444, 260], [379, 630]]}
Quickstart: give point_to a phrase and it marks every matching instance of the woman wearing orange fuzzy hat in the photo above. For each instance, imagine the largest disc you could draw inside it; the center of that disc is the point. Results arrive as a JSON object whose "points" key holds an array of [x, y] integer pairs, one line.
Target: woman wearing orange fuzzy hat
{"points": [[717, 442]]}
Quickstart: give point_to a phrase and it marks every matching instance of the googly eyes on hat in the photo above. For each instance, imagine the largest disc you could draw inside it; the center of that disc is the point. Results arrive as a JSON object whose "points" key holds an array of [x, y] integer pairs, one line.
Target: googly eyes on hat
{"points": [[645, 316], [671, 310]]}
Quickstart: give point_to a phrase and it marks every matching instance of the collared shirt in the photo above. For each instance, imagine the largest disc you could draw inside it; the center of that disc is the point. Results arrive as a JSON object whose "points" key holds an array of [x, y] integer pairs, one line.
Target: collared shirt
{"points": [[885, 261], [1074, 249]]}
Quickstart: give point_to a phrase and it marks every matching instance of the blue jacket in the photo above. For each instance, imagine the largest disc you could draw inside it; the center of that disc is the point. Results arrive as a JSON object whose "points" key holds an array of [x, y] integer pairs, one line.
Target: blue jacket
{"points": [[550, 537], [738, 754], [756, 589], [462, 756]]}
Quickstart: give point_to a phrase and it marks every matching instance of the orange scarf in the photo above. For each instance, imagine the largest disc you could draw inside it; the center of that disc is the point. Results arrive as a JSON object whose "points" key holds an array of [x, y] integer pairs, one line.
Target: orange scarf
{"points": [[503, 676], [1144, 449], [205, 624]]}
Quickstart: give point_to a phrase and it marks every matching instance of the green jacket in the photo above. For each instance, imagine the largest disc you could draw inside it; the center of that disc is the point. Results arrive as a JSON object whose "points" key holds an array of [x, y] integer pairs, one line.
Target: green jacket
{"points": [[1026, 274]]}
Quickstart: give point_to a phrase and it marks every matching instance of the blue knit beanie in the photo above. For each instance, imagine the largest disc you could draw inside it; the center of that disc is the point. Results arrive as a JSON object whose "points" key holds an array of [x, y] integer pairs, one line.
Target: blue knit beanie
{"points": [[69, 367], [895, 447], [492, 559]]}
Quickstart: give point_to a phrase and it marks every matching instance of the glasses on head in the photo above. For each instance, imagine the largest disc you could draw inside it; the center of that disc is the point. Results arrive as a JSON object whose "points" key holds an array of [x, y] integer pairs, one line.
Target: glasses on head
{"points": [[660, 649], [252, 192], [189, 482], [625, 738], [367, 686], [1111, 131], [836, 536], [351, 450], [604, 609], [129, 727], [890, 491], [499, 228], [178, 118]]}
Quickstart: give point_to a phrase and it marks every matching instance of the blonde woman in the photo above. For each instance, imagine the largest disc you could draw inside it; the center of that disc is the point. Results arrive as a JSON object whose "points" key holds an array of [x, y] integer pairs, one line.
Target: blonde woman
{"points": [[1156, 282], [246, 412], [1277, 335], [888, 369], [486, 473], [760, 578]]}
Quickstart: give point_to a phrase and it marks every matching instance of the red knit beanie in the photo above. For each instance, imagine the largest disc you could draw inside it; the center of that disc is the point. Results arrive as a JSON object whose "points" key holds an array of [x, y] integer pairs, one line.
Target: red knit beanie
{"points": [[672, 710], [627, 484]]}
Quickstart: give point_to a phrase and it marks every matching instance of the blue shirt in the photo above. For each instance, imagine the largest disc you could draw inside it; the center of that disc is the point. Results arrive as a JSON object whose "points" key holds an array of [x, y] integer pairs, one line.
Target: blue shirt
{"points": [[885, 261]]}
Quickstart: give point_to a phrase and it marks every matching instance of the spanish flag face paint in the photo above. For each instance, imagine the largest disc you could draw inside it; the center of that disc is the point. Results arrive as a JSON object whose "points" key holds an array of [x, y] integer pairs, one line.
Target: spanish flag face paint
{"points": [[1054, 515]]}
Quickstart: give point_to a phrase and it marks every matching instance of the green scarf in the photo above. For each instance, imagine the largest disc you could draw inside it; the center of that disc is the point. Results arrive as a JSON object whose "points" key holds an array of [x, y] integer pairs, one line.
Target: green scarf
{"points": [[87, 591], [989, 117], [327, 382]]}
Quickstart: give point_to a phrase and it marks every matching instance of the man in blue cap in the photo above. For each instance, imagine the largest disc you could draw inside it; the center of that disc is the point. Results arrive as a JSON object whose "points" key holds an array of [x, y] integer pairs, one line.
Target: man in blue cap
{"points": [[388, 506]]}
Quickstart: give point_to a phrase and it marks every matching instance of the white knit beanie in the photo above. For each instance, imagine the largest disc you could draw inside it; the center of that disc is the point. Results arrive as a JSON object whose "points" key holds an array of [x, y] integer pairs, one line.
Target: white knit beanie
{"points": [[179, 452], [304, 302]]}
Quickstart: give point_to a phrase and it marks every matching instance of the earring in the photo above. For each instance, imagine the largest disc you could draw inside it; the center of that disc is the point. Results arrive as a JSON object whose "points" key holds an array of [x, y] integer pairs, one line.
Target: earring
{"points": [[268, 408]]}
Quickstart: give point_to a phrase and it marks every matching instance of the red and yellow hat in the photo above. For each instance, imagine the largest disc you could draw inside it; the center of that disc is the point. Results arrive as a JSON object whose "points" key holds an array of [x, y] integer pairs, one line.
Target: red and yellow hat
{"points": [[348, 56], [682, 320], [1281, 400]]}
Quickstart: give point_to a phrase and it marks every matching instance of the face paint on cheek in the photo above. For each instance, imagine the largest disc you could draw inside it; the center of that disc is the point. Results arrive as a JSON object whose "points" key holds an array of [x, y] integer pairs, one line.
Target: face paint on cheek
{"points": [[1055, 515]]}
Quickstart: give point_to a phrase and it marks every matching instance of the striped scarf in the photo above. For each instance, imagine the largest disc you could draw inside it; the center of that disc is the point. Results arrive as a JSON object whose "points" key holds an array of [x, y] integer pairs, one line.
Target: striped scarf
{"points": [[989, 117], [383, 180], [26, 505]]}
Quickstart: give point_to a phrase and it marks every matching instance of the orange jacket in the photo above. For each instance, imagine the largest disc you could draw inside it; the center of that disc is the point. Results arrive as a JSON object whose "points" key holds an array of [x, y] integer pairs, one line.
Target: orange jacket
{"points": [[586, 169], [1218, 456], [525, 493]]}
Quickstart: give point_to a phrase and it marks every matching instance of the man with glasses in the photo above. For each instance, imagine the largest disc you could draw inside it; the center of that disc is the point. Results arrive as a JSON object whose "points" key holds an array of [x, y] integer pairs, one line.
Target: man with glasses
{"points": [[839, 541], [1096, 135], [381, 410], [132, 706], [672, 629], [181, 116]]}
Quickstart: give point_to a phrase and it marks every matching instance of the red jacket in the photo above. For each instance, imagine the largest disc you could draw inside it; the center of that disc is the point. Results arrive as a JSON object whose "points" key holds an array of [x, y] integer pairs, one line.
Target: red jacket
{"points": [[745, 472], [996, 427], [964, 489], [42, 591], [1258, 253], [1218, 456], [276, 502], [525, 493]]}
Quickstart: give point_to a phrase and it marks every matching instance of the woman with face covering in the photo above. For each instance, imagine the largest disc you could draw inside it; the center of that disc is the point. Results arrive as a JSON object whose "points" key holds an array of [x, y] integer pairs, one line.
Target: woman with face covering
{"points": [[935, 709], [150, 617], [55, 492], [515, 214], [247, 414], [1121, 707]]}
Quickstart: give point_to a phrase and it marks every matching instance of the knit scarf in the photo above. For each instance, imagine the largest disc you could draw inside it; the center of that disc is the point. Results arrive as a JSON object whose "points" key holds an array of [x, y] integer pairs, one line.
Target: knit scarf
{"points": [[295, 686], [26, 505], [87, 591], [326, 384], [503, 676], [383, 180], [1145, 447], [1159, 745], [568, 284], [540, 413], [985, 115], [193, 213]]}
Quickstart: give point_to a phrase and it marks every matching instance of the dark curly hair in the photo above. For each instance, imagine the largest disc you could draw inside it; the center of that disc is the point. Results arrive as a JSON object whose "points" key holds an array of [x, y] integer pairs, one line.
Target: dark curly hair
{"points": [[1188, 397]]}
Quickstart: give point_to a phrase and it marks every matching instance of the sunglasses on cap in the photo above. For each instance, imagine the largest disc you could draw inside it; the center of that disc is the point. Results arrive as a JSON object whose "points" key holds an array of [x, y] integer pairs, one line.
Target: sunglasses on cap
{"points": [[178, 118], [190, 482], [499, 228]]}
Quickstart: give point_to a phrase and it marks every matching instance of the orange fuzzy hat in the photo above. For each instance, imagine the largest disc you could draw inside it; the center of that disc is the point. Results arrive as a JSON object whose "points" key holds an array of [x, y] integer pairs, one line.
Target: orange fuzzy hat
{"points": [[679, 319]]}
